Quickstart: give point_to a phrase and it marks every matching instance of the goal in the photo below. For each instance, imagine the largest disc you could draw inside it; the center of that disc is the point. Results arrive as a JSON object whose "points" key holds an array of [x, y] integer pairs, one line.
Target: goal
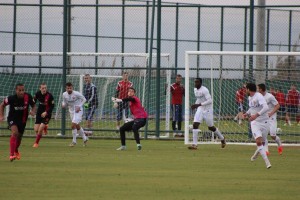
{"points": [[224, 73], [33, 68]]}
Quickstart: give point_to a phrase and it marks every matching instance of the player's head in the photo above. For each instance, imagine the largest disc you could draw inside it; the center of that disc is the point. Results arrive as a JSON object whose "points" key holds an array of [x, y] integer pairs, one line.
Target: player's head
{"points": [[131, 91], [87, 79], [261, 88], [20, 90], [178, 78], [251, 88], [293, 87], [125, 76], [198, 82], [69, 87], [43, 88]]}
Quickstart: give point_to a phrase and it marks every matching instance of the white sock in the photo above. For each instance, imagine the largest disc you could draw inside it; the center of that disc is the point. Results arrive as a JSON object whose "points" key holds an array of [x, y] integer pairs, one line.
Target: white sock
{"points": [[278, 141], [219, 134], [81, 132], [74, 133], [263, 154], [266, 145], [195, 136]]}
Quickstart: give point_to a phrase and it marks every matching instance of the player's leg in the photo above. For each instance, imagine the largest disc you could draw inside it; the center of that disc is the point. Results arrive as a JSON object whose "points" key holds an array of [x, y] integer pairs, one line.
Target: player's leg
{"points": [[13, 141], [198, 118], [179, 122], [74, 130], [209, 119], [260, 130], [126, 127], [119, 115], [76, 122], [89, 120], [273, 130], [21, 130], [287, 116], [138, 123], [173, 111]]}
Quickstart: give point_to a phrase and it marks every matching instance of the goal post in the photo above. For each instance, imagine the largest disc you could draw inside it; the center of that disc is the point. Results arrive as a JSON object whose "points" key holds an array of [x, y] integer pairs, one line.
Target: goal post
{"points": [[33, 68], [224, 73]]}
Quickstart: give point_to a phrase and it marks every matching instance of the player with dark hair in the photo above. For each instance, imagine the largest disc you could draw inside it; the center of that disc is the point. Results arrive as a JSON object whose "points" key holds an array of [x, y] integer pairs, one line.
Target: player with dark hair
{"points": [[74, 101], [240, 101], [17, 117], [140, 118], [91, 104], [272, 113], [121, 93], [204, 111], [44, 112], [177, 91], [258, 116]]}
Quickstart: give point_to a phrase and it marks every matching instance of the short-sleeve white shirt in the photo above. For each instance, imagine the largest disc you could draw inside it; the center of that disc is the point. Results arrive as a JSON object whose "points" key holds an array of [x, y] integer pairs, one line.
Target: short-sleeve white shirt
{"points": [[75, 99]]}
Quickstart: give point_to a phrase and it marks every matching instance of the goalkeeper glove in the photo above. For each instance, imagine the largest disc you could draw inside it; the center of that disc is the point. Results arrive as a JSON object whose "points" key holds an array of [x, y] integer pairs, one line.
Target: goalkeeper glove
{"points": [[86, 105], [116, 100]]}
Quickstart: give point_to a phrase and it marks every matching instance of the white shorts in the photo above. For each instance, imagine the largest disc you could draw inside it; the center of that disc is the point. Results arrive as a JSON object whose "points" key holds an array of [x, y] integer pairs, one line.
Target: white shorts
{"points": [[260, 129], [206, 115], [273, 126], [76, 117]]}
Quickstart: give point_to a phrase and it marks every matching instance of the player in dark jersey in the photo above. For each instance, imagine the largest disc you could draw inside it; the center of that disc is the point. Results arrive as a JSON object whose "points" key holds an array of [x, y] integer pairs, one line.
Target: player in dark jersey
{"points": [[177, 91], [140, 118], [44, 111], [17, 117], [91, 104]]}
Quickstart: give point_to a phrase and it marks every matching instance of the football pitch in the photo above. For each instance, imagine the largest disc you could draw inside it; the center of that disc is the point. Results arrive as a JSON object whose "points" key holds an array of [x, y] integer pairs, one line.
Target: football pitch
{"points": [[162, 170]]}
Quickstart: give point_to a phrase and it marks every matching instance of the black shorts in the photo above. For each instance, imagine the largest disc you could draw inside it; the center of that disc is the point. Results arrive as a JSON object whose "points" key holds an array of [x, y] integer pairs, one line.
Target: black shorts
{"points": [[21, 126], [292, 109], [241, 107], [281, 109], [40, 120]]}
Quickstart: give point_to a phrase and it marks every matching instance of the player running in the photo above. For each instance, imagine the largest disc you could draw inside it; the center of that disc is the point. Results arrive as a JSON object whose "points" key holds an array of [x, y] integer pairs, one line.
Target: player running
{"points": [[259, 119], [272, 113], [17, 117], [204, 112], [44, 111]]}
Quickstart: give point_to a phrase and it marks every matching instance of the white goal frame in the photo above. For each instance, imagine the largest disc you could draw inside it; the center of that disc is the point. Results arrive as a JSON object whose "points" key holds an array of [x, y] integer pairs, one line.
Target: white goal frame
{"points": [[187, 86]]}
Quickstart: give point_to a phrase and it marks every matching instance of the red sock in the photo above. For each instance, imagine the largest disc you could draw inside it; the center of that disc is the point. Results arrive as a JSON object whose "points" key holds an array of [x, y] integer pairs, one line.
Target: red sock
{"points": [[13, 143], [38, 137], [18, 143]]}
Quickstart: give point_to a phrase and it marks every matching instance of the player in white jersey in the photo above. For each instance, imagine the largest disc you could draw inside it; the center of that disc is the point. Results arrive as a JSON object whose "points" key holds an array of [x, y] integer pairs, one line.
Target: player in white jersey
{"points": [[272, 113], [74, 100], [258, 117], [204, 112]]}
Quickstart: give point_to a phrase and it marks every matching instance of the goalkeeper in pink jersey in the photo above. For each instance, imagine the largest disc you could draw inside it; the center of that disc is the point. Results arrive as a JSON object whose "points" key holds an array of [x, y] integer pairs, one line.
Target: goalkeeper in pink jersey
{"points": [[140, 118]]}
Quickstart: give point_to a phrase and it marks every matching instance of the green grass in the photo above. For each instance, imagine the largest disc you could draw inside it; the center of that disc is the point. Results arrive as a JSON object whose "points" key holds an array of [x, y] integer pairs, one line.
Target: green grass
{"points": [[162, 170]]}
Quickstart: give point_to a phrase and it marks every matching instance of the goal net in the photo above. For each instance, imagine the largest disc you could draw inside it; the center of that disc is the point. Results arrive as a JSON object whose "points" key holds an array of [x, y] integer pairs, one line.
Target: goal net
{"points": [[106, 69], [225, 73]]}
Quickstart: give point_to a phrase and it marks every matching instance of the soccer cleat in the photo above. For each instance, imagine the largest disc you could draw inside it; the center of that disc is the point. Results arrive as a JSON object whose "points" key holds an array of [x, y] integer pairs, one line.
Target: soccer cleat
{"points": [[267, 153], [35, 145], [268, 164], [254, 157], [193, 147], [12, 158], [139, 147], [72, 144], [223, 143], [18, 155], [85, 142], [122, 148], [45, 131], [280, 149]]}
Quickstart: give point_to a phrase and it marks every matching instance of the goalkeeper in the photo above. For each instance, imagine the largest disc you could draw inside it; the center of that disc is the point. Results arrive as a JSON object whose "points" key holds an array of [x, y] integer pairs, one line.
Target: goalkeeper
{"points": [[90, 93], [140, 118]]}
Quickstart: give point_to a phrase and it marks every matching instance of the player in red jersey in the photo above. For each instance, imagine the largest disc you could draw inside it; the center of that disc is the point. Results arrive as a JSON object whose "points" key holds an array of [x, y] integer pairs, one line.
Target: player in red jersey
{"points": [[177, 91], [292, 102], [240, 101], [44, 111], [139, 115], [280, 97], [121, 93], [17, 117]]}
